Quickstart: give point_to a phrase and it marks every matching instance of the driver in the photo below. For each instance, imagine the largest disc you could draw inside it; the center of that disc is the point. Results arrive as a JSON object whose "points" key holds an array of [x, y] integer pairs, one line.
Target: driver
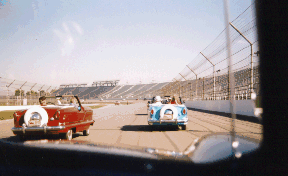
{"points": [[73, 102], [42, 101], [158, 100]]}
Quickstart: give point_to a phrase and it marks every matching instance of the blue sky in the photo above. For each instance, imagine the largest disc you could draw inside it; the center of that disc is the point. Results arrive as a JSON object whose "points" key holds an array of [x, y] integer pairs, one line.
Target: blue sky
{"points": [[61, 42]]}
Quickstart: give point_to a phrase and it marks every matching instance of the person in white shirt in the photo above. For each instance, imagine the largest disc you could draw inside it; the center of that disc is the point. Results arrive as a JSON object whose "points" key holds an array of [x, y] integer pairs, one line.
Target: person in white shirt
{"points": [[158, 100]]}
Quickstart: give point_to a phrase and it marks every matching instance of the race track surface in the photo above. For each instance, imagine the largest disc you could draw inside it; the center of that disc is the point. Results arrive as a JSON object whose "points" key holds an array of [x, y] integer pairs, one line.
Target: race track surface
{"points": [[126, 126]]}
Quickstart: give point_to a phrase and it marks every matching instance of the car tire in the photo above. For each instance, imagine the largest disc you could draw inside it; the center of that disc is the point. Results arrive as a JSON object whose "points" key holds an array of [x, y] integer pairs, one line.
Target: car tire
{"points": [[22, 137], [183, 127], [68, 135], [86, 132]]}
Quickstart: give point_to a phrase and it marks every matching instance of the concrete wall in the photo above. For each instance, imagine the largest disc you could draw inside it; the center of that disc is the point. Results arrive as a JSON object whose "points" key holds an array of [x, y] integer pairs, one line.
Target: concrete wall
{"points": [[243, 107]]}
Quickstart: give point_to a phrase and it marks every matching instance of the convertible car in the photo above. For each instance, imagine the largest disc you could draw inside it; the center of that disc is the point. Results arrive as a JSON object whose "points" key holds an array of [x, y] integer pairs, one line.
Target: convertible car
{"points": [[54, 118], [167, 114]]}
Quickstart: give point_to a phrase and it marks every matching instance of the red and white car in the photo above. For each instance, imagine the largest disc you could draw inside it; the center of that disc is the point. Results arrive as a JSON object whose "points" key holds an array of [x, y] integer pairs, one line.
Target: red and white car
{"points": [[54, 118]]}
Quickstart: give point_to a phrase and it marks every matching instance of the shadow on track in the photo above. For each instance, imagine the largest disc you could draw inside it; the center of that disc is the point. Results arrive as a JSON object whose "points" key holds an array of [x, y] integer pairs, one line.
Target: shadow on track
{"points": [[148, 128], [38, 137], [224, 114]]}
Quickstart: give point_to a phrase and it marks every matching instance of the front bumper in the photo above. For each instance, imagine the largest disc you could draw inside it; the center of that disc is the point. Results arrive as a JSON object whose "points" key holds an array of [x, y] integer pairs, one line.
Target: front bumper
{"points": [[44, 129], [172, 122]]}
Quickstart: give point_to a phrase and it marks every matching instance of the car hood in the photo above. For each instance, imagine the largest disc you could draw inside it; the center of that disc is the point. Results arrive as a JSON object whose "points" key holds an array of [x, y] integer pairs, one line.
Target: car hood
{"points": [[208, 149]]}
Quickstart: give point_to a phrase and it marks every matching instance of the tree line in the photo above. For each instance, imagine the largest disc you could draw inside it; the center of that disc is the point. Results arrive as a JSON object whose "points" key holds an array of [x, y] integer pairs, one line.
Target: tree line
{"points": [[32, 93]]}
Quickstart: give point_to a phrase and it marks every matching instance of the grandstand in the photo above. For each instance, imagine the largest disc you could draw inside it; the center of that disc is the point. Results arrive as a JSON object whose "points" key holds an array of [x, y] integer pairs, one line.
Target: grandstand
{"points": [[109, 90], [84, 92], [191, 89]]}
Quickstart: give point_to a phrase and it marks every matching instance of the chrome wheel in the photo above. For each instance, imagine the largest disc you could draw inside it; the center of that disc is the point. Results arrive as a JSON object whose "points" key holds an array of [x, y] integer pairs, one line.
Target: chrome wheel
{"points": [[68, 135]]}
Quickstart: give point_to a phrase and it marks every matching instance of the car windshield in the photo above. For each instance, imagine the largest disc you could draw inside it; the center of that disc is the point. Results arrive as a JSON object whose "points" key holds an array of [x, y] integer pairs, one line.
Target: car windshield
{"points": [[110, 58]]}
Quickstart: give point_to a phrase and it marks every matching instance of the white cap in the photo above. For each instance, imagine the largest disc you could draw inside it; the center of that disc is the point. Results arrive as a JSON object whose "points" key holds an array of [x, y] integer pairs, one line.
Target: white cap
{"points": [[158, 98]]}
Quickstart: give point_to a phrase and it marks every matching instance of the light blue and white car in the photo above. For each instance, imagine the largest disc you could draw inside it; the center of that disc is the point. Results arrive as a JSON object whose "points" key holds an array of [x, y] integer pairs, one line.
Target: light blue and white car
{"points": [[167, 114]]}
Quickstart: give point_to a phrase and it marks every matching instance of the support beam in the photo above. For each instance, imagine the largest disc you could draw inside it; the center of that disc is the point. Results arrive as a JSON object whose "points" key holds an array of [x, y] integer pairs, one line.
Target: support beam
{"points": [[182, 76]]}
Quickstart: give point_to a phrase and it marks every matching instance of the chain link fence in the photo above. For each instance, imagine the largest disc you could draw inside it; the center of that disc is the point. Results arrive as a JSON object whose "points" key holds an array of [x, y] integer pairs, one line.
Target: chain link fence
{"points": [[206, 76], [13, 92]]}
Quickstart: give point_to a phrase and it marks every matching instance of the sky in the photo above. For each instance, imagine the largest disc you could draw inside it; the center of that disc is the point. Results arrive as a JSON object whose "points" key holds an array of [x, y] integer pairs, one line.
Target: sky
{"points": [[65, 42]]}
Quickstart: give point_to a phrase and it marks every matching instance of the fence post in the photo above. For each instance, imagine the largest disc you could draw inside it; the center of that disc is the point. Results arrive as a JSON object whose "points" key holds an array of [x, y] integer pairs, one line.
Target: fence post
{"points": [[31, 90], [21, 92], [182, 77], [47, 90], [213, 75], [196, 78], [40, 91], [8, 97], [251, 45], [203, 88]]}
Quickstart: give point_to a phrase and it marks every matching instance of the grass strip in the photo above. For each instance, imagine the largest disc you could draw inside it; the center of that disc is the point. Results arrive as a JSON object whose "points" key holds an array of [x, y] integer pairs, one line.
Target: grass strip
{"points": [[97, 106], [4, 115]]}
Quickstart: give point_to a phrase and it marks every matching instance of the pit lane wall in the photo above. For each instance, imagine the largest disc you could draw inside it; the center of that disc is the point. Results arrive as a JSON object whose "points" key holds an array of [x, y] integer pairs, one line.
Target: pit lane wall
{"points": [[243, 107]]}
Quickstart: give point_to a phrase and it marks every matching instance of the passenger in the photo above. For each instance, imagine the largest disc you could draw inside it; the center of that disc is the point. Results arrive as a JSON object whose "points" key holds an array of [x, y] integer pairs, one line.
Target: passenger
{"points": [[73, 102], [181, 101], [42, 101], [173, 101], [169, 101], [157, 100], [178, 100]]}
